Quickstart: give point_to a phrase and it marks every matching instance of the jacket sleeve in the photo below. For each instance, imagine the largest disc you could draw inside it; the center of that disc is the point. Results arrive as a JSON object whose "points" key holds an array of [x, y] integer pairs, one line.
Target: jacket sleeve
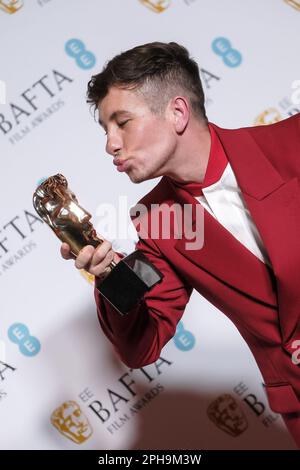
{"points": [[139, 336]]}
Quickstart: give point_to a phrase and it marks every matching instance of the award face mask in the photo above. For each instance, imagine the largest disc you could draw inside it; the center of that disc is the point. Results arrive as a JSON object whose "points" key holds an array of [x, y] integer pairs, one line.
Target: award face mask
{"points": [[11, 6], [58, 206], [129, 279]]}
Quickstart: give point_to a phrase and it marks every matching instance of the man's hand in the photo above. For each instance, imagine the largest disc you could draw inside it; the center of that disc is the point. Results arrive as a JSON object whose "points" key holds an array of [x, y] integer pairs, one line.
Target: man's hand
{"points": [[96, 261]]}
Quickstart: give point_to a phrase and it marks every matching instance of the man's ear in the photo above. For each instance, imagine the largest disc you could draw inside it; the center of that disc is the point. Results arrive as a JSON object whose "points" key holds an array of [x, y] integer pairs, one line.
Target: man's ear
{"points": [[180, 109]]}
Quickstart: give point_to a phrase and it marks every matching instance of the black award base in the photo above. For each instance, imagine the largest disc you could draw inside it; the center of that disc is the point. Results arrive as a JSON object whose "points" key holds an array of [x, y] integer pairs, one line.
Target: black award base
{"points": [[128, 281]]}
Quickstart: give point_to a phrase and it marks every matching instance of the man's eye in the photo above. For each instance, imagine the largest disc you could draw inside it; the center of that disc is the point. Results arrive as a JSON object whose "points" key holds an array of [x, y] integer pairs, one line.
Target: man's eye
{"points": [[122, 124]]}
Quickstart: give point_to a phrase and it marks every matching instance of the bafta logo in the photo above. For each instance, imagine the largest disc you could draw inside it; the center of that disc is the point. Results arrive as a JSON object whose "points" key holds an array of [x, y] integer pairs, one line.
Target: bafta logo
{"points": [[11, 6], [70, 421], [157, 5], [225, 413], [294, 3], [269, 116]]}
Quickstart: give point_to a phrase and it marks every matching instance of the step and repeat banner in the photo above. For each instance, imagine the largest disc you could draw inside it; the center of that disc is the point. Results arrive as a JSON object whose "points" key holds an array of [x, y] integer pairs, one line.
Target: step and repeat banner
{"points": [[61, 384]]}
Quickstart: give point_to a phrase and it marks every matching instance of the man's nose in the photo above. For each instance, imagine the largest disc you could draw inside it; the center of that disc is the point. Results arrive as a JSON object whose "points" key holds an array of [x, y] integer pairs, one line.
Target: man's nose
{"points": [[113, 144]]}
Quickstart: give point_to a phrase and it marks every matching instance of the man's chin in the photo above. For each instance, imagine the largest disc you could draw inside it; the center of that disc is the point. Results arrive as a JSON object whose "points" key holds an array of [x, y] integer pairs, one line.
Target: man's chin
{"points": [[138, 177], [134, 178]]}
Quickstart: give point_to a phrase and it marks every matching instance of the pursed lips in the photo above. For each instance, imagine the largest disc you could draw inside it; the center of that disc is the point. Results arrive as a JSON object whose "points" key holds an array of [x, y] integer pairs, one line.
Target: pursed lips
{"points": [[120, 163]]}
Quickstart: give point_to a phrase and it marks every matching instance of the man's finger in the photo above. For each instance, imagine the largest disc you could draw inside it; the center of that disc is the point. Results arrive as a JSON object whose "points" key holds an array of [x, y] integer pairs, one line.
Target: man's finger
{"points": [[101, 252], [65, 251], [84, 257]]}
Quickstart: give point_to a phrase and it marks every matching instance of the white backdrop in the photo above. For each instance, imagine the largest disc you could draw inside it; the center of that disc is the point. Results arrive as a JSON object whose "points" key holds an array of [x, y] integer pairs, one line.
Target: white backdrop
{"points": [[53, 351]]}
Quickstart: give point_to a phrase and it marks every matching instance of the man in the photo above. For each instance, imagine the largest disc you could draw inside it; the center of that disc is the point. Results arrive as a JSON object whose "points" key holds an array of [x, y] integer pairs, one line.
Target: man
{"points": [[151, 106]]}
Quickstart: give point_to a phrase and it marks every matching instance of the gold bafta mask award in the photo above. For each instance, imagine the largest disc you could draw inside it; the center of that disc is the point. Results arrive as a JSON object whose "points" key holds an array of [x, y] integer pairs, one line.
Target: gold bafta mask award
{"points": [[128, 280], [157, 5], [294, 3], [11, 6]]}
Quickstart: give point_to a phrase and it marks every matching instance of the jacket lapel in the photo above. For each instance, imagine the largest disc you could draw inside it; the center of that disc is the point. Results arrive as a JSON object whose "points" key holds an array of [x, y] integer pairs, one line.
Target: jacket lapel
{"points": [[223, 256], [274, 205]]}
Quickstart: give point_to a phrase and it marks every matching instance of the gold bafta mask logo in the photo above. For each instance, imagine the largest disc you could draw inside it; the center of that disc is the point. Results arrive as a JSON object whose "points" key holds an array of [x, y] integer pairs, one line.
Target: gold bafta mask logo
{"points": [[294, 3], [269, 116], [157, 5], [70, 421], [225, 413], [11, 6]]}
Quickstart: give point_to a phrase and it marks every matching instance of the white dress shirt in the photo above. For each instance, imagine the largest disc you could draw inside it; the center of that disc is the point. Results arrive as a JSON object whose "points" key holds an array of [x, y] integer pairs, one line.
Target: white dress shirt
{"points": [[224, 201]]}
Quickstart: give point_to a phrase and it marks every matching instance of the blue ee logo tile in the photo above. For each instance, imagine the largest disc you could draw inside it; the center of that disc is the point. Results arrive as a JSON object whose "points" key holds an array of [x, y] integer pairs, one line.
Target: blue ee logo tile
{"points": [[183, 339], [83, 58], [222, 47], [29, 345]]}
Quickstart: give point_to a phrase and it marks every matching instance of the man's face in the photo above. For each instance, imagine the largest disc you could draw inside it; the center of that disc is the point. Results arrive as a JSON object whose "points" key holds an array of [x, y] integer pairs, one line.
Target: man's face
{"points": [[141, 142]]}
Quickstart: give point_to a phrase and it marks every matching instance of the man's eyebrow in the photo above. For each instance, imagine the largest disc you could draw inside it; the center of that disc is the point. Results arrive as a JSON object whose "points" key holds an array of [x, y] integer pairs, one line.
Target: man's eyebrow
{"points": [[113, 116]]}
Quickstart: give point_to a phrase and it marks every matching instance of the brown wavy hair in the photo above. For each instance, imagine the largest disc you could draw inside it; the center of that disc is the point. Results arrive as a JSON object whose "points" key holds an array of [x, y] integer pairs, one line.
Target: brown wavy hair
{"points": [[158, 70]]}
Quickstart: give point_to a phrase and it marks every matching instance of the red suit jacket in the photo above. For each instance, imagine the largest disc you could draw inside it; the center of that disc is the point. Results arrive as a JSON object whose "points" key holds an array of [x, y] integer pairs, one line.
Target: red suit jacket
{"points": [[263, 303]]}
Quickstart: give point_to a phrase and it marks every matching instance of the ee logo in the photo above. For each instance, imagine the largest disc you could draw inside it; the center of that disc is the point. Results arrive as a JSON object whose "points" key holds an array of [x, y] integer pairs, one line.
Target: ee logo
{"points": [[29, 345], [76, 49], [222, 47], [183, 339]]}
